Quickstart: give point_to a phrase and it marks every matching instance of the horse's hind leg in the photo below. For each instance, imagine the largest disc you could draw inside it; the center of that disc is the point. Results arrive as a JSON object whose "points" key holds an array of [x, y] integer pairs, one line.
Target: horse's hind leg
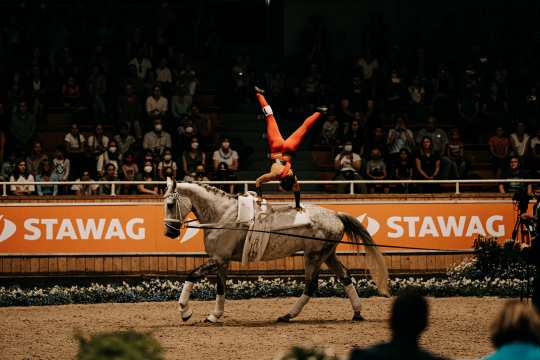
{"points": [[219, 307], [342, 273], [183, 302], [312, 264]]}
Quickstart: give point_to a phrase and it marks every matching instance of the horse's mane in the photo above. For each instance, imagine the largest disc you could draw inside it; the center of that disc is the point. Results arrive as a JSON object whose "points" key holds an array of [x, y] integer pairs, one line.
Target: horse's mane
{"points": [[214, 190]]}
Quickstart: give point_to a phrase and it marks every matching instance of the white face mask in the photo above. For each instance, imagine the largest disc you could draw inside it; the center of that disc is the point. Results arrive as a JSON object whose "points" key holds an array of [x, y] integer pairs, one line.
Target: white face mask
{"points": [[158, 127], [167, 157], [112, 149], [195, 145], [148, 169], [347, 148]]}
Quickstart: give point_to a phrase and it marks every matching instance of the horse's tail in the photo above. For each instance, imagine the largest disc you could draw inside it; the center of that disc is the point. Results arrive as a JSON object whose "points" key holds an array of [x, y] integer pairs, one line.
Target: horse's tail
{"points": [[358, 234]]}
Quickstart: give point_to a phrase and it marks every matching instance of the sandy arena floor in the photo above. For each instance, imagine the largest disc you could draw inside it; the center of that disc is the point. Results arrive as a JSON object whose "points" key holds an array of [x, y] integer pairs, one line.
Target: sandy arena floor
{"points": [[458, 327]]}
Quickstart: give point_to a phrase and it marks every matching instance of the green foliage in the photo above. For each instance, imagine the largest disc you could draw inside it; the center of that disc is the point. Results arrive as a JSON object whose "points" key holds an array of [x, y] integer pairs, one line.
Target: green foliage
{"points": [[121, 345]]}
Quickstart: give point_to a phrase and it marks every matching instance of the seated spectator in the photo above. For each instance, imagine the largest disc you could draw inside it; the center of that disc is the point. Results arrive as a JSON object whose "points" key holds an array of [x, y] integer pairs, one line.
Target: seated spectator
{"points": [[329, 131], [408, 320], [97, 142], [8, 166], [514, 171], [163, 74], [75, 145], [515, 333], [126, 142], [148, 174], [200, 173], [377, 140], [428, 164], [455, 153], [157, 105], [348, 165], [111, 156], [97, 92], [129, 172], [23, 125], [157, 139], [71, 93], [439, 140], [223, 173], [61, 165], [519, 142], [142, 64], [499, 150], [535, 154], [202, 124], [355, 132], [84, 189], [35, 158], [187, 79], [225, 155], [110, 175], [21, 175], [46, 173], [404, 170], [192, 157], [130, 110], [180, 105], [376, 169], [399, 137], [167, 163]]}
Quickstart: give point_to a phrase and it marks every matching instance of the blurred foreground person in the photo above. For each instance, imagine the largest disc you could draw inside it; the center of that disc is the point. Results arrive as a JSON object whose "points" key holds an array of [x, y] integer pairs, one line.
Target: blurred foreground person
{"points": [[408, 320]]}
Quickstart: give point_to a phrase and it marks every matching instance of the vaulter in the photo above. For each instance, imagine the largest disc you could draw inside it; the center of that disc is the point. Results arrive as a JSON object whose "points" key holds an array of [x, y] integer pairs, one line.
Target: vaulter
{"points": [[281, 150]]}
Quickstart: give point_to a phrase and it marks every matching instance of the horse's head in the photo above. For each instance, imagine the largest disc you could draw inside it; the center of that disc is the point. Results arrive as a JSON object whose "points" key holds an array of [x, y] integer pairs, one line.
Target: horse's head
{"points": [[177, 207]]}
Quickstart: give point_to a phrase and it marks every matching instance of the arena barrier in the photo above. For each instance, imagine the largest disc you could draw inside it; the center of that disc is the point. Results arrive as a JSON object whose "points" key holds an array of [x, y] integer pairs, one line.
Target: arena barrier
{"points": [[124, 235]]}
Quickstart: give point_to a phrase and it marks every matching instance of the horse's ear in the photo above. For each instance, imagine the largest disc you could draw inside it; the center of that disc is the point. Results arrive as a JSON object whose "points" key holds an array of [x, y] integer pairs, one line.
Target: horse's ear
{"points": [[171, 185]]}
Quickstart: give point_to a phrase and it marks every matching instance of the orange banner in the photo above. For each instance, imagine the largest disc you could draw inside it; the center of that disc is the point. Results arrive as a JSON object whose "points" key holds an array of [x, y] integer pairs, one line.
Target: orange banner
{"points": [[107, 228]]}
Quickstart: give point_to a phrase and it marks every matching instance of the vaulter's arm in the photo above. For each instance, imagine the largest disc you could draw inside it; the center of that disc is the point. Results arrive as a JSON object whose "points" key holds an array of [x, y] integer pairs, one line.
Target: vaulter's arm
{"points": [[262, 179]]}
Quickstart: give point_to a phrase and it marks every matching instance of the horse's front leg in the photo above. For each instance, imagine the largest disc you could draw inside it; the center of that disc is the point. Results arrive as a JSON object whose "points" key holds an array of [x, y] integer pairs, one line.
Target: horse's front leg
{"points": [[219, 307], [212, 264]]}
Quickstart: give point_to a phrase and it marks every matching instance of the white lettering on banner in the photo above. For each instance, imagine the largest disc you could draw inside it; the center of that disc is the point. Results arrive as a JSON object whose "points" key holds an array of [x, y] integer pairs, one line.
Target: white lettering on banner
{"points": [[84, 229], [445, 227]]}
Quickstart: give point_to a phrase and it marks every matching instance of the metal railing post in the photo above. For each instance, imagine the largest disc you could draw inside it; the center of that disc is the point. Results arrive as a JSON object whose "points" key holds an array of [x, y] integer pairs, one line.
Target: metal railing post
{"points": [[246, 187], [4, 190], [457, 186], [351, 190], [113, 188]]}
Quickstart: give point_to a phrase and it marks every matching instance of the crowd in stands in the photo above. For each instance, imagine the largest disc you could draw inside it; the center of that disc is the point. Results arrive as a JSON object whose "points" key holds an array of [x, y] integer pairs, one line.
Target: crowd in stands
{"points": [[401, 113]]}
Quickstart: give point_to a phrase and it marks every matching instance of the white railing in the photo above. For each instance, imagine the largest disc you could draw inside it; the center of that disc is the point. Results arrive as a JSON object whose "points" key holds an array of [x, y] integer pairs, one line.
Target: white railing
{"points": [[246, 183]]}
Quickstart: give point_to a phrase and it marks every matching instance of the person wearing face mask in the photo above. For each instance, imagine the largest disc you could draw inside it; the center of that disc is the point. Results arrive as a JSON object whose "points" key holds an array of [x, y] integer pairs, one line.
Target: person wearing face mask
{"points": [[157, 139], [97, 142], [129, 172], [111, 156], [225, 155], [111, 172], [148, 175], [167, 163], [282, 149], [192, 157], [348, 164], [200, 174]]}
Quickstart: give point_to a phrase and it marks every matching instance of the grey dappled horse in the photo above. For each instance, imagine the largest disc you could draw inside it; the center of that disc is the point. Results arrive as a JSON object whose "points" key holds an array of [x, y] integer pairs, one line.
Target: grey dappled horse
{"points": [[213, 206]]}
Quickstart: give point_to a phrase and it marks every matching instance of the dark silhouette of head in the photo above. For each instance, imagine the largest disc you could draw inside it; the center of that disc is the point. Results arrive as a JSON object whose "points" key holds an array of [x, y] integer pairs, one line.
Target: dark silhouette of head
{"points": [[409, 316], [517, 322]]}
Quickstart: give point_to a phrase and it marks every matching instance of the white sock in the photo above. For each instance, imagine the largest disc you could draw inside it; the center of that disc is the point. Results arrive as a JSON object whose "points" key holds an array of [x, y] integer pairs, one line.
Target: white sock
{"points": [[299, 305], [186, 292], [350, 290]]}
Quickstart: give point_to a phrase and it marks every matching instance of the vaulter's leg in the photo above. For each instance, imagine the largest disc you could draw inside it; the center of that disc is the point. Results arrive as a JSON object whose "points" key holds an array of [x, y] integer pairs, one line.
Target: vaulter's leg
{"points": [[219, 307], [293, 141], [194, 276], [312, 267], [342, 274], [273, 136]]}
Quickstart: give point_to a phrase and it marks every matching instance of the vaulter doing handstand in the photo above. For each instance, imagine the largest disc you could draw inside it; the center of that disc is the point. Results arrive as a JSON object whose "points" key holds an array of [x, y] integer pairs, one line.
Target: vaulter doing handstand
{"points": [[281, 150]]}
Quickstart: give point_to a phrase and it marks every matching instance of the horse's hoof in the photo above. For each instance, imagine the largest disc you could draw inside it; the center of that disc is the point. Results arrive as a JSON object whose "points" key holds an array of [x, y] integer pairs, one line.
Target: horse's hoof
{"points": [[186, 314], [211, 319], [358, 317], [285, 318]]}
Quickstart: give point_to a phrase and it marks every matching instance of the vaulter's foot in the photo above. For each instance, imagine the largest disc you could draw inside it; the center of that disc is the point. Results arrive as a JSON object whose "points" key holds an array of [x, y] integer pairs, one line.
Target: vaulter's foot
{"points": [[285, 318], [358, 317], [258, 90], [323, 109]]}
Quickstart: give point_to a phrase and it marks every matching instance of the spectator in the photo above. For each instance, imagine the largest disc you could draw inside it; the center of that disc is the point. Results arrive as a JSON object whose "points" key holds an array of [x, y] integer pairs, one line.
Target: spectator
{"points": [[71, 93], [200, 173], [439, 140], [126, 142], [148, 175], [36, 157], [376, 169], [21, 175], [141, 64], [469, 108], [23, 125], [519, 142], [97, 90], [75, 145], [97, 142], [516, 333], [203, 124], [355, 133], [455, 154], [428, 164], [110, 175], [404, 170], [187, 79], [417, 94], [61, 165], [396, 93], [369, 67], [8, 166], [399, 137], [377, 140], [494, 105], [84, 189], [180, 105], [156, 105], [167, 163], [129, 172], [499, 150], [4, 126], [130, 110], [225, 155], [157, 140], [535, 154], [329, 132], [192, 157], [111, 156], [46, 173], [163, 74], [514, 171], [223, 173], [409, 319], [348, 165]]}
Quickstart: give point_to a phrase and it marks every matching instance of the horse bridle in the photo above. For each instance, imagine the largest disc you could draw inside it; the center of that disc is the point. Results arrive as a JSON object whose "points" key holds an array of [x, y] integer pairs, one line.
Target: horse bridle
{"points": [[179, 201]]}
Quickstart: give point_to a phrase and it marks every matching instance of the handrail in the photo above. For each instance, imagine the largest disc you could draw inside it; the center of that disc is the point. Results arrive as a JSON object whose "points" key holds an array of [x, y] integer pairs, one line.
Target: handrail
{"points": [[246, 183]]}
